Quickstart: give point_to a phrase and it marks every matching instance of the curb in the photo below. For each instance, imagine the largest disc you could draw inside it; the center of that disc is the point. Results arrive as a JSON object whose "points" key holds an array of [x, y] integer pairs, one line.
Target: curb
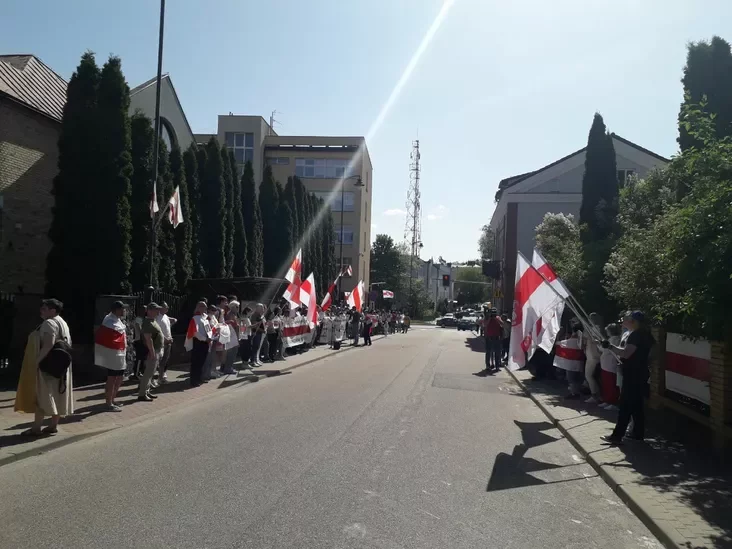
{"points": [[666, 538]]}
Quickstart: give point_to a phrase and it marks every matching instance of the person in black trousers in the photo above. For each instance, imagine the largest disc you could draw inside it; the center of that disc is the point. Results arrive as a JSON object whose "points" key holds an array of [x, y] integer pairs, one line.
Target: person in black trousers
{"points": [[367, 325], [634, 365], [201, 341]]}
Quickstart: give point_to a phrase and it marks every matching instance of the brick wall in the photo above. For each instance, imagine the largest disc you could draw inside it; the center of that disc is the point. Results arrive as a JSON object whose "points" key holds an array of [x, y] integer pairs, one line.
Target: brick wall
{"points": [[28, 164]]}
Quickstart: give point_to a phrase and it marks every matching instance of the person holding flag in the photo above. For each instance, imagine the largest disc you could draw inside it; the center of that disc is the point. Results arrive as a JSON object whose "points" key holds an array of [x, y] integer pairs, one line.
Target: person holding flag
{"points": [[110, 351], [294, 277]]}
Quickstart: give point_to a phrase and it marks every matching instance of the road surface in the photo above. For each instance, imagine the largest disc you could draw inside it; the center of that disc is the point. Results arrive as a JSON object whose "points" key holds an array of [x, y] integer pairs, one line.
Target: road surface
{"points": [[393, 446]]}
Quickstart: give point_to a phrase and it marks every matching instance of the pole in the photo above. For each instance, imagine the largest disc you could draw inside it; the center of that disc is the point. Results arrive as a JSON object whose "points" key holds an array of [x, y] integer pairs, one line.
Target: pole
{"points": [[340, 268], [156, 142]]}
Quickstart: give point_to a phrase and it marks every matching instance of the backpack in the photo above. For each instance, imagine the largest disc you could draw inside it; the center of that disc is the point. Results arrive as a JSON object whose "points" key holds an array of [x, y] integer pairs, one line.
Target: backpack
{"points": [[56, 363]]}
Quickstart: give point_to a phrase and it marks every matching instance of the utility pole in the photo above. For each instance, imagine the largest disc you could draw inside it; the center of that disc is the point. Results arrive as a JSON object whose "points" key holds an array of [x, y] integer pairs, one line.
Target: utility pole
{"points": [[272, 122], [413, 226]]}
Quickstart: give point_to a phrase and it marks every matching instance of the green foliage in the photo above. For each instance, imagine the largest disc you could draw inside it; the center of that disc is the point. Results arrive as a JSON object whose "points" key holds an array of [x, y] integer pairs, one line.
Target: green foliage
{"points": [[184, 231], [142, 133], [252, 222], [284, 238], [388, 265], [468, 292], [70, 267], [228, 215], [289, 197], [328, 251], [202, 205], [707, 81], [111, 211], [315, 239], [193, 213], [165, 235], [486, 242], [558, 240], [268, 206], [213, 203], [241, 255]]}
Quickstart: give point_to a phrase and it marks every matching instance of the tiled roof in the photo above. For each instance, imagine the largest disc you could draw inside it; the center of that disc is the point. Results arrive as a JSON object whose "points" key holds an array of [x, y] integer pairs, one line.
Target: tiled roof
{"points": [[27, 79]]}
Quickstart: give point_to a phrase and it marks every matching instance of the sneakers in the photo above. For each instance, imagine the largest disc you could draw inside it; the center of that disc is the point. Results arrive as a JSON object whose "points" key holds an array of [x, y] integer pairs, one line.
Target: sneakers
{"points": [[591, 400], [609, 439], [611, 407], [163, 379], [113, 408]]}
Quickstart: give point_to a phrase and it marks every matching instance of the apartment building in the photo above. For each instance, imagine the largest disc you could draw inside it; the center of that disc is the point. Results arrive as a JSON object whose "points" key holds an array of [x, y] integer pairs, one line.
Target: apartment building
{"points": [[321, 163]]}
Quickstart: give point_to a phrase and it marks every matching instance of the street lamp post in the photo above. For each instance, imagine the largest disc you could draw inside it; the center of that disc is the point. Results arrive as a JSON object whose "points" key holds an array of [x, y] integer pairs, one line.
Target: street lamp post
{"points": [[358, 183]]}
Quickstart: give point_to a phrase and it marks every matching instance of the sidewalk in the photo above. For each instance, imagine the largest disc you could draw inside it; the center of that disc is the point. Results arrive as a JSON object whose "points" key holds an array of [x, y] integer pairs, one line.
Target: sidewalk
{"points": [[675, 482], [91, 418]]}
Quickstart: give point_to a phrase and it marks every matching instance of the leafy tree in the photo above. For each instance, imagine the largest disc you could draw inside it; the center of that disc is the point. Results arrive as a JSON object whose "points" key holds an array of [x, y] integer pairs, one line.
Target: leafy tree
{"points": [[252, 222], [486, 242], [142, 134], [241, 253], [213, 204], [707, 78], [70, 267], [268, 205], [184, 231], [111, 211], [166, 238], [469, 292], [558, 240], [228, 212], [193, 214], [388, 265]]}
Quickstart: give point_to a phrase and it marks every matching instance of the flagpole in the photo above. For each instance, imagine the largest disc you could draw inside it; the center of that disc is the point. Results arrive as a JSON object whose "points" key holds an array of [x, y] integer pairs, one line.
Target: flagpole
{"points": [[156, 141]]}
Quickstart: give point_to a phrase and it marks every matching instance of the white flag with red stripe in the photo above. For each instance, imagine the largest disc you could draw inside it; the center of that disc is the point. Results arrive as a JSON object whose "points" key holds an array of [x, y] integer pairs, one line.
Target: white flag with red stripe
{"points": [[175, 212], [569, 356], [110, 343], [348, 271], [388, 294], [328, 299], [154, 208], [307, 297], [294, 277], [355, 299], [546, 270]]}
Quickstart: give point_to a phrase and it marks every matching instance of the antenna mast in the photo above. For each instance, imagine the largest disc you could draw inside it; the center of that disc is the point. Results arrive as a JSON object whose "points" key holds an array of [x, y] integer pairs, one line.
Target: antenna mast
{"points": [[413, 226]]}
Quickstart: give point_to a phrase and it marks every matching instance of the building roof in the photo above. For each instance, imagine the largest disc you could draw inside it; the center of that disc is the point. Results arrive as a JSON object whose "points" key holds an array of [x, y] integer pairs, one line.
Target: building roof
{"points": [[513, 180], [31, 82], [152, 82]]}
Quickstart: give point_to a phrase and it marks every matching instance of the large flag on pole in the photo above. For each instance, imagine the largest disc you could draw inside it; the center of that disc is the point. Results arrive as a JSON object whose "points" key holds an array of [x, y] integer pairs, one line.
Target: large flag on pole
{"points": [[546, 270], [110, 343], [328, 299], [355, 298], [387, 294], [307, 296], [550, 305], [294, 277], [154, 208], [348, 271], [175, 212]]}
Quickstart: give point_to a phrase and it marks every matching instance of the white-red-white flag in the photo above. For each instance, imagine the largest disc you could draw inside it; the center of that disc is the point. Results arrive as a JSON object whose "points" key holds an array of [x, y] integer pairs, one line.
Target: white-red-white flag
{"points": [[154, 208], [294, 277], [550, 313], [307, 296], [355, 299], [388, 294], [523, 321], [546, 270], [328, 299], [175, 212], [348, 271]]}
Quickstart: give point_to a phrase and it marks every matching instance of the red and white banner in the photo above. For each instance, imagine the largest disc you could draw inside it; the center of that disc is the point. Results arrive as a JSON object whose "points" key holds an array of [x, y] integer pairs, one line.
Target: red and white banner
{"points": [[307, 297], [154, 208], [546, 270], [688, 369], [348, 271], [294, 331], [294, 277], [524, 319], [388, 294], [110, 343], [569, 356], [175, 212], [355, 298], [199, 325]]}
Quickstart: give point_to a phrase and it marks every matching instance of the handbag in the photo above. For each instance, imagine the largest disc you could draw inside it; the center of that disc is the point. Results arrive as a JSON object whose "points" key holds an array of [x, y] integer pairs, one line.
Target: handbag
{"points": [[56, 363]]}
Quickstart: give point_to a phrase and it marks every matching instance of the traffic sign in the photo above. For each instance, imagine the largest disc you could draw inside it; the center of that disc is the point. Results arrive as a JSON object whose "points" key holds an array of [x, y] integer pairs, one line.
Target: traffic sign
{"points": [[497, 293]]}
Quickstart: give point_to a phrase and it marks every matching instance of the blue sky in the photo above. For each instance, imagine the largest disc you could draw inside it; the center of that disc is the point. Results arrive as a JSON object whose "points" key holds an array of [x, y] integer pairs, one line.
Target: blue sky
{"points": [[503, 88]]}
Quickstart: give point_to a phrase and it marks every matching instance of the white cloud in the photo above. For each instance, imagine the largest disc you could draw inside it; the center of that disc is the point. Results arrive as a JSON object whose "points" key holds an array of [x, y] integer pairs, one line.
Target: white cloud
{"points": [[394, 212], [441, 208], [433, 217], [438, 213]]}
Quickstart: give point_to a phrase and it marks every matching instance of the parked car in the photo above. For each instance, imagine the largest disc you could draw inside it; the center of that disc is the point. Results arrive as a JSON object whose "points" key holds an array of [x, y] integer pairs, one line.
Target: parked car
{"points": [[468, 322], [446, 321]]}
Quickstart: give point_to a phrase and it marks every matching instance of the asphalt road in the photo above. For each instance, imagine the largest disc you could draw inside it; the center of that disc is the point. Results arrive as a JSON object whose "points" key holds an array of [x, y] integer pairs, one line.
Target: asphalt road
{"points": [[393, 446]]}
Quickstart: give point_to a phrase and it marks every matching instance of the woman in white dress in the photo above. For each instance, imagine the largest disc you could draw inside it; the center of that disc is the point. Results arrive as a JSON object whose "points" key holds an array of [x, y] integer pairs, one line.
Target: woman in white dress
{"points": [[54, 396]]}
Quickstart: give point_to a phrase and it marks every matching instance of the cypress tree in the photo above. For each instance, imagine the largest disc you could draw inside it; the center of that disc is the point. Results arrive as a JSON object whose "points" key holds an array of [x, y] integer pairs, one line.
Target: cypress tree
{"points": [[252, 221], [241, 246], [285, 240], [70, 266], [315, 247], [268, 205], [227, 177], [289, 196], [142, 133], [213, 201], [166, 238], [302, 215], [112, 205], [599, 208], [184, 231], [708, 73], [328, 248], [201, 160], [193, 214]]}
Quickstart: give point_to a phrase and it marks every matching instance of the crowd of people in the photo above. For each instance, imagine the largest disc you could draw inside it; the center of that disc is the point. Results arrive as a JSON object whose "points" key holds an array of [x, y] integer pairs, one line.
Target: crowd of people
{"points": [[140, 348]]}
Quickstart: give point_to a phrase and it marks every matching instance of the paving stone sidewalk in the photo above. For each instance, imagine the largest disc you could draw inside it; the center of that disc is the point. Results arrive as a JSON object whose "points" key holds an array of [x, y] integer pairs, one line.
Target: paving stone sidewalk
{"points": [[675, 482], [91, 417]]}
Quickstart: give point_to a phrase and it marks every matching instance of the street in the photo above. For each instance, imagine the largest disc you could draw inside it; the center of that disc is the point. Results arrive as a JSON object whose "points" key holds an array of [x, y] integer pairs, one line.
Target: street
{"points": [[395, 445]]}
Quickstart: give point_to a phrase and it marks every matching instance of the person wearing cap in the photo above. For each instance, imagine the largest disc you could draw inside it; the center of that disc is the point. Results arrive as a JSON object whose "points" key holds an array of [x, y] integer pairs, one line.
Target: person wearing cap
{"points": [[110, 352], [154, 341], [165, 322], [634, 366]]}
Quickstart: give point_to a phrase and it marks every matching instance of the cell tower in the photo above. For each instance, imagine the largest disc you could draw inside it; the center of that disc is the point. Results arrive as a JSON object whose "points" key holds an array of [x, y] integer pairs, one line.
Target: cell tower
{"points": [[413, 226]]}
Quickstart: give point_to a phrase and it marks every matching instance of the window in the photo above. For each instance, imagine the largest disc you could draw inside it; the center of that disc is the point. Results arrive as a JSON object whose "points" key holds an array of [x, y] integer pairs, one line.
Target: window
{"points": [[346, 263], [365, 212], [347, 234], [334, 200], [278, 161], [242, 145], [623, 176], [364, 241], [323, 168]]}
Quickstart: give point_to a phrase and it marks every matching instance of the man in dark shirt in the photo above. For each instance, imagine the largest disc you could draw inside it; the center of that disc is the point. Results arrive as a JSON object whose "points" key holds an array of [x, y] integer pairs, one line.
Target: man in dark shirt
{"points": [[355, 325], [634, 365], [493, 327]]}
